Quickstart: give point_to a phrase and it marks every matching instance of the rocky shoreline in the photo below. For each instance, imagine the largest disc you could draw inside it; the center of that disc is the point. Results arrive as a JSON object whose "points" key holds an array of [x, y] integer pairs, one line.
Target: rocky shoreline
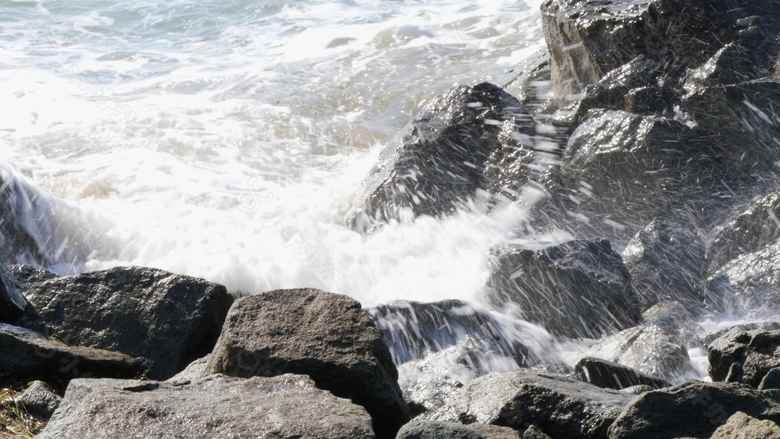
{"points": [[646, 136]]}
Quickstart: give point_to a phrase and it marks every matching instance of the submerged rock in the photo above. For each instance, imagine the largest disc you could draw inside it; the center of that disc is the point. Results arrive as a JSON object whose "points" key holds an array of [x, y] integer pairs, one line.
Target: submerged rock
{"points": [[167, 319], [692, 409], [744, 356], [441, 161], [559, 406], [28, 355], [287, 406], [576, 289], [323, 335]]}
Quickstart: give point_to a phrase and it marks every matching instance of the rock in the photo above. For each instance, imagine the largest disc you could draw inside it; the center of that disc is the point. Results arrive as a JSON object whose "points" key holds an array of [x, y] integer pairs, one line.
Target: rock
{"points": [[765, 326], [749, 283], [418, 429], [29, 277], [588, 39], [692, 409], [609, 375], [193, 372], [666, 262], [413, 330], [167, 319], [744, 356], [576, 289], [742, 426], [771, 380], [287, 406], [28, 355], [561, 407], [38, 400], [440, 162], [12, 301], [649, 349], [751, 231], [533, 432], [323, 335]]}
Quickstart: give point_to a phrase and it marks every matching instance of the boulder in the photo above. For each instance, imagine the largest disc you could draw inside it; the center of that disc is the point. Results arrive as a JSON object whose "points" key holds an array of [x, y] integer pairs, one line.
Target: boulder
{"points": [[287, 406], [771, 380], [692, 409], [749, 283], [534, 432], [648, 349], [28, 355], [609, 375], [440, 161], [575, 289], [325, 336], [744, 356], [559, 406], [764, 326], [742, 426], [29, 277], [38, 400], [666, 262], [675, 319], [419, 429], [413, 329], [12, 301], [752, 230], [167, 319]]}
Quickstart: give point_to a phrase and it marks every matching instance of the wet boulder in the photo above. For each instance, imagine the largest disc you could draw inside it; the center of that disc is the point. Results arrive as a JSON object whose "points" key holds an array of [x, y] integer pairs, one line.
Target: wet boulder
{"points": [[29, 277], [752, 230], [575, 289], [12, 301], [744, 356], [286, 406], [666, 262], [28, 355], [167, 319], [648, 349], [560, 407], [609, 375], [749, 283], [441, 160], [413, 329], [692, 409], [323, 335]]}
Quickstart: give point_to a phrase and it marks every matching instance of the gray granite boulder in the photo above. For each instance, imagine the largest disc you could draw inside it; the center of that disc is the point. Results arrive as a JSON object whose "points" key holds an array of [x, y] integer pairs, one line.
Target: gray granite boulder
{"points": [[38, 400], [742, 426], [744, 356], [167, 319], [287, 406], [323, 335]]}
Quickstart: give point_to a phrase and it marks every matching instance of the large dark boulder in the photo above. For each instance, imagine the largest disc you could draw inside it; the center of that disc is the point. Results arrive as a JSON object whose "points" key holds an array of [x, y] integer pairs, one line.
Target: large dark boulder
{"points": [[28, 355], [576, 289], [666, 262], [413, 330], [12, 301], [609, 375], [692, 409], [167, 319], [559, 406], [287, 406], [744, 356], [323, 335], [441, 160]]}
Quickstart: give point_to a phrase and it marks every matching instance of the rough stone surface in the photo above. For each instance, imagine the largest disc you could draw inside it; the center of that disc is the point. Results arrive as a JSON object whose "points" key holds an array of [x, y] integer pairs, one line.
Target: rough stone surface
{"points": [[287, 406], [649, 349], [412, 330], [742, 426], [326, 336], [39, 400], [12, 301], [533, 432], [28, 355], [440, 162], [771, 380], [436, 430], [692, 409], [193, 372], [576, 289], [167, 319], [666, 262], [29, 277], [611, 375], [561, 407], [744, 356]]}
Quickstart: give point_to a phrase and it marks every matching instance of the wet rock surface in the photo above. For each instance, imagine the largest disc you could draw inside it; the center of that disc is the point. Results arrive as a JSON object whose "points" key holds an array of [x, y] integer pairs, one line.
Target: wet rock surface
{"points": [[744, 356], [286, 406], [609, 375], [12, 301], [559, 406], [576, 289], [323, 335], [168, 320]]}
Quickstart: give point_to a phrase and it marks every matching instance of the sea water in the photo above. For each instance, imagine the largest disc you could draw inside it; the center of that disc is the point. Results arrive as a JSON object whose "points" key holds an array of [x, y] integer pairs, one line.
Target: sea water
{"points": [[227, 139]]}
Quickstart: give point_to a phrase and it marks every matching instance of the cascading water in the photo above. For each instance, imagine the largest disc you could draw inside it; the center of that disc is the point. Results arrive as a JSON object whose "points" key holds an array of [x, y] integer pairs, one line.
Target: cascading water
{"points": [[228, 140]]}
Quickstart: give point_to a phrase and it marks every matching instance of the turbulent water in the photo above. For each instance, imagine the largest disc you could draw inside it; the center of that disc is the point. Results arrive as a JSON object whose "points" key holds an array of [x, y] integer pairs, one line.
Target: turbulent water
{"points": [[226, 140]]}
